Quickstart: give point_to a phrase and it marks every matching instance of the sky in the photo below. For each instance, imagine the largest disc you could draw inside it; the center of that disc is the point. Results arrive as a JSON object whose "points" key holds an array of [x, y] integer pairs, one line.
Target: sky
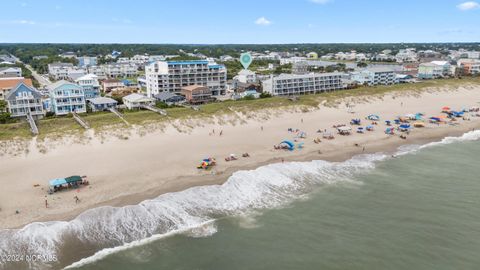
{"points": [[239, 22]]}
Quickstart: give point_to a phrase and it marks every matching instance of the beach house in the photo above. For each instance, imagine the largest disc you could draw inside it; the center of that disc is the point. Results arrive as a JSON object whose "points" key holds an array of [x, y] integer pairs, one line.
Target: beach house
{"points": [[24, 99], [7, 84], [197, 94], [66, 97], [135, 101], [90, 85], [99, 104]]}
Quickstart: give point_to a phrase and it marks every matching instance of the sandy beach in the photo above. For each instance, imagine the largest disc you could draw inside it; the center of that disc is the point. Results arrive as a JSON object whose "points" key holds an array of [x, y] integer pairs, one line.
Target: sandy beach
{"points": [[139, 166]]}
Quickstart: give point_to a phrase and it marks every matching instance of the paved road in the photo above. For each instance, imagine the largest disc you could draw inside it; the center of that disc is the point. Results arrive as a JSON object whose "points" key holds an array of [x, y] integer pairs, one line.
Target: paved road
{"points": [[43, 81]]}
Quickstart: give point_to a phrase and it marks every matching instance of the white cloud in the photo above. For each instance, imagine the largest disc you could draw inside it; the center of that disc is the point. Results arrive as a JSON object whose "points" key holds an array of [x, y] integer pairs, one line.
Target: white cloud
{"points": [[468, 6], [263, 21], [320, 1], [23, 22]]}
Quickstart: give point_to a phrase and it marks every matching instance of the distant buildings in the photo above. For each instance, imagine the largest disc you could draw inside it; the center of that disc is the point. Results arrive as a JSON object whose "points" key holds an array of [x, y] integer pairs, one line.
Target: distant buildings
{"points": [[246, 76], [171, 76], [24, 99], [90, 85], [65, 71], [66, 97], [307, 66], [434, 70], [169, 98], [87, 61], [120, 70], [290, 84], [375, 76], [406, 55], [10, 72]]}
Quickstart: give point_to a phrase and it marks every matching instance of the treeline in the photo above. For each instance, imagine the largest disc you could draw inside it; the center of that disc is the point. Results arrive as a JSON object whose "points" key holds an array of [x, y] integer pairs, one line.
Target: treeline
{"points": [[41, 65], [26, 51]]}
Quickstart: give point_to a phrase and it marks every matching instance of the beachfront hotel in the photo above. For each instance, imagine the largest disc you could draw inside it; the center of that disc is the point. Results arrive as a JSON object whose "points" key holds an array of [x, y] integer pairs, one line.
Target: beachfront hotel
{"points": [[293, 84], [66, 97], [171, 76]]}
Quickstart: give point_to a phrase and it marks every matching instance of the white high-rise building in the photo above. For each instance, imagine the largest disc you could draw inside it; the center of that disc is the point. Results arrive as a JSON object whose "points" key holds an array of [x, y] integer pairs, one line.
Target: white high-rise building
{"points": [[171, 76]]}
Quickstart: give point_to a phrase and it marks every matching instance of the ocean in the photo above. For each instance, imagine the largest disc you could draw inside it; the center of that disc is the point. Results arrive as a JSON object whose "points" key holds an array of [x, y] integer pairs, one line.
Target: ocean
{"points": [[418, 208]]}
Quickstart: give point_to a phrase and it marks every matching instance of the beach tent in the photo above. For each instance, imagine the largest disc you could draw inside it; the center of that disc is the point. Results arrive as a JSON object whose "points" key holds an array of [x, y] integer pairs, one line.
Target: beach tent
{"points": [[404, 127], [57, 182], [446, 109], [370, 128], [373, 117], [355, 122], [388, 122], [418, 116], [291, 145], [344, 130], [73, 179], [389, 131], [360, 130]]}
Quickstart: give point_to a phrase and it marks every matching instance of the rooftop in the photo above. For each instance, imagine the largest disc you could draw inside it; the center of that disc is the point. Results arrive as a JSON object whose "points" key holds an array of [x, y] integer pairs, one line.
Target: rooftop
{"points": [[9, 83]]}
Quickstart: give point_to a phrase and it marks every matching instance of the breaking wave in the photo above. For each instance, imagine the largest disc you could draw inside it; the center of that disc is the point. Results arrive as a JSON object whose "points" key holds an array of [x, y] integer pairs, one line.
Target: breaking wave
{"points": [[192, 211]]}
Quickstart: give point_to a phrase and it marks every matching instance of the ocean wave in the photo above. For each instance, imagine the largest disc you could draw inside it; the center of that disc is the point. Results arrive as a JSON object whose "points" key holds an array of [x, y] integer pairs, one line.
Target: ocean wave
{"points": [[112, 229]]}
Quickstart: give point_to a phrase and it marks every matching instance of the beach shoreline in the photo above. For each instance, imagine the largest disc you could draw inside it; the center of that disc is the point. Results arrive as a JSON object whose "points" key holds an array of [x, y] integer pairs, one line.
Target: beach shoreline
{"points": [[138, 161]]}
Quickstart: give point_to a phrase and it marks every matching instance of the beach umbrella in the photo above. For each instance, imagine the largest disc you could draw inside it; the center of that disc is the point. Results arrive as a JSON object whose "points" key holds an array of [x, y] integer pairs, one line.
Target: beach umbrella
{"points": [[446, 108]]}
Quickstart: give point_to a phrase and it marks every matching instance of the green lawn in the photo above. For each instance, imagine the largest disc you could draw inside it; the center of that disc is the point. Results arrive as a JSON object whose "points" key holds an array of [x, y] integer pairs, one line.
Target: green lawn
{"points": [[58, 126]]}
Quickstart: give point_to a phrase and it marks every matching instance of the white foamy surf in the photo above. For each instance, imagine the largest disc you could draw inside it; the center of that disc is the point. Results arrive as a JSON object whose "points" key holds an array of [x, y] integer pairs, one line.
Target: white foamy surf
{"points": [[113, 229]]}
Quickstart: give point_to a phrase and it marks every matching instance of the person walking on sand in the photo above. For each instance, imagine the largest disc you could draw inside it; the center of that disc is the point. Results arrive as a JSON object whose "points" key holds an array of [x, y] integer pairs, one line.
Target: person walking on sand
{"points": [[301, 120], [46, 203], [221, 132], [77, 200], [261, 127], [363, 150]]}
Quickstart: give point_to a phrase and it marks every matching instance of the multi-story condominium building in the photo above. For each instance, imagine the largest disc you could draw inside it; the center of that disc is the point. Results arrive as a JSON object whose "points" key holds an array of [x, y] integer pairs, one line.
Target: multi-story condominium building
{"points": [[10, 72], [375, 76], [98, 71], [90, 85], [434, 70], [87, 61], [469, 66], [120, 70], [66, 97], [65, 71], [171, 76], [293, 84], [24, 99]]}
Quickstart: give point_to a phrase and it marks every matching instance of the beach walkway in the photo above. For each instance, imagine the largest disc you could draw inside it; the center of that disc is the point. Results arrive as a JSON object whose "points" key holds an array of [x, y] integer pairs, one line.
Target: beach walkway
{"points": [[80, 120], [33, 125], [117, 113], [153, 109]]}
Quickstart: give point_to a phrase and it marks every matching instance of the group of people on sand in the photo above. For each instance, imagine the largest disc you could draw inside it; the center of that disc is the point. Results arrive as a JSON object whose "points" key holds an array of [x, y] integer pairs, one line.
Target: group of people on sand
{"points": [[213, 132]]}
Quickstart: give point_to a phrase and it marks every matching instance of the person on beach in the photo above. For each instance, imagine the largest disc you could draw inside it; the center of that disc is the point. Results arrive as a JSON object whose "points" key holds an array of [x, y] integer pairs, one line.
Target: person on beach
{"points": [[301, 120], [261, 128], [77, 200], [363, 149], [221, 132], [46, 203]]}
